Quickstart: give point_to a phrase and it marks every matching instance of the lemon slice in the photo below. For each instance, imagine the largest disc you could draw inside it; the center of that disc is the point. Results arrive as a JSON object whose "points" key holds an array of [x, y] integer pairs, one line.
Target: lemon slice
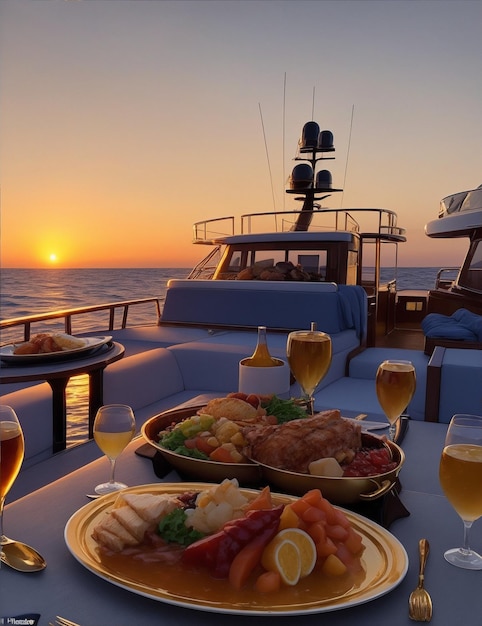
{"points": [[283, 556], [305, 545]]}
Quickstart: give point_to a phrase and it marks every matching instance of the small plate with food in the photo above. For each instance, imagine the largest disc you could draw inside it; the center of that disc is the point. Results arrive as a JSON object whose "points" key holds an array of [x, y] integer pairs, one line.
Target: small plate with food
{"points": [[221, 548], [50, 347]]}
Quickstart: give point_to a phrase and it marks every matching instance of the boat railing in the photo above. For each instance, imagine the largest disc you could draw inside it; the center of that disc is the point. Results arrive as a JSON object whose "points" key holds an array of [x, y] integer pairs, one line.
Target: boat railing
{"points": [[443, 280], [116, 312], [376, 221], [208, 230], [206, 267]]}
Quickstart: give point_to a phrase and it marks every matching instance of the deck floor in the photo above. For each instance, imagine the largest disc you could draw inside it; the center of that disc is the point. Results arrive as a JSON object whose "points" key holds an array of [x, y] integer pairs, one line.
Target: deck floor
{"points": [[410, 339]]}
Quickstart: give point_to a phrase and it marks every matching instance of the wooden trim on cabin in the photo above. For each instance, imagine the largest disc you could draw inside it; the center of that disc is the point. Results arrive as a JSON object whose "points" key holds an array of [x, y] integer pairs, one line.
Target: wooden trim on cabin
{"points": [[432, 342]]}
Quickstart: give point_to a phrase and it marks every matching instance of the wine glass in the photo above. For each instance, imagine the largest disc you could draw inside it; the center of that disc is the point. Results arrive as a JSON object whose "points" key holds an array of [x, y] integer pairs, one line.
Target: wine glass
{"points": [[11, 457], [309, 358], [461, 477], [114, 427], [395, 384]]}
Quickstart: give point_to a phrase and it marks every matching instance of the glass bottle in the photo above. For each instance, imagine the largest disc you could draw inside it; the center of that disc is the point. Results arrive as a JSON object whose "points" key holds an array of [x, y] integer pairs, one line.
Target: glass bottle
{"points": [[261, 356]]}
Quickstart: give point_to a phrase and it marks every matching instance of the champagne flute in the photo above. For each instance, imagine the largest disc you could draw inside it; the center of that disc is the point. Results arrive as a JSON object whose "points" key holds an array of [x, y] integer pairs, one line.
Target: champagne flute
{"points": [[461, 479], [309, 357], [114, 427], [395, 385], [11, 457]]}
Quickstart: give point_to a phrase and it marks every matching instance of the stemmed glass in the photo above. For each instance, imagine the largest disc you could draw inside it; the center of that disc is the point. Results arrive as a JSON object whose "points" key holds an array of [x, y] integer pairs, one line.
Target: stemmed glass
{"points": [[309, 358], [11, 457], [395, 385], [461, 479], [114, 427]]}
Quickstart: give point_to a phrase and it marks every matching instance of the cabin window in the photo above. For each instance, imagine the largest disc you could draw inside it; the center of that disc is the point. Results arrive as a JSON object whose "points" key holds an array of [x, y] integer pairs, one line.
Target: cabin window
{"points": [[471, 277]]}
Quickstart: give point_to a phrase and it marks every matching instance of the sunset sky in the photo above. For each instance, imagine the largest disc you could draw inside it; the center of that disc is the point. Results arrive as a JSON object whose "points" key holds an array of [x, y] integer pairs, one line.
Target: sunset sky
{"points": [[124, 122]]}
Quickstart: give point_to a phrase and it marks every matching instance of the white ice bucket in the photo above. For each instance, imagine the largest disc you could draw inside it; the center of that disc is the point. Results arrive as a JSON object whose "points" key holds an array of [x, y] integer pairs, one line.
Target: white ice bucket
{"points": [[265, 380]]}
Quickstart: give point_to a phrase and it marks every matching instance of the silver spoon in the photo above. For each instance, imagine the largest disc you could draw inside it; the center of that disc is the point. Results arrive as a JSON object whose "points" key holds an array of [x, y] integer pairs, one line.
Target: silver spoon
{"points": [[21, 557]]}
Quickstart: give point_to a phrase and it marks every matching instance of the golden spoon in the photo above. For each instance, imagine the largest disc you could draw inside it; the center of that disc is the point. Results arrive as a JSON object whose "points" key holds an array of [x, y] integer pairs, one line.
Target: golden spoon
{"points": [[21, 557]]}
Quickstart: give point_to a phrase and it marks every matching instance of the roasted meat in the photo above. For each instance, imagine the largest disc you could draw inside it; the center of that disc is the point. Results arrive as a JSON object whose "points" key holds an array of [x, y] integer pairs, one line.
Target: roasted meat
{"points": [[294, 445]]}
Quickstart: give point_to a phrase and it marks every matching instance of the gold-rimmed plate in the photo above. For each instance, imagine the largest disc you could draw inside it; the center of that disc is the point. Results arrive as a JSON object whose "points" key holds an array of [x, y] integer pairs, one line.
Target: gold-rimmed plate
{"points": [[384, 565]]}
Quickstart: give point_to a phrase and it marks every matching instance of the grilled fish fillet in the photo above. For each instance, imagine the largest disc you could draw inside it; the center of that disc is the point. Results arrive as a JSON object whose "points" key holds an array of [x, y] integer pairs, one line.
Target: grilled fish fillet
{"points": [[294, 445]]}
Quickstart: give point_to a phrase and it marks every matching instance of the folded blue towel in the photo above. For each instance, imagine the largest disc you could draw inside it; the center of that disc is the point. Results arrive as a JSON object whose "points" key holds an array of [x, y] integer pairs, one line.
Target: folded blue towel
{"points": [[462, 325]]}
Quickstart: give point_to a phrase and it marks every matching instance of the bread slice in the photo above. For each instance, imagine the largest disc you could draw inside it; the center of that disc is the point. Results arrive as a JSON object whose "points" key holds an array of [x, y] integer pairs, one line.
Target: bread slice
{"points": [[107, 539], [131, 521], [150, 507], [112, 525], [68, 342]]}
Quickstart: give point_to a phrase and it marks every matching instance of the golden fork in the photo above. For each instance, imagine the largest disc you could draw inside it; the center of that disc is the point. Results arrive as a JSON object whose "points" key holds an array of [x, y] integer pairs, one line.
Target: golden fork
{"points": [[62, 621], [420, 602]]}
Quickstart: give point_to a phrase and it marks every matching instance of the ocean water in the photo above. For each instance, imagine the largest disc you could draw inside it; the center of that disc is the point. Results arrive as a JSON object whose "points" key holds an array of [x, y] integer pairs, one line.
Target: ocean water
{"points": [[32, 291]]}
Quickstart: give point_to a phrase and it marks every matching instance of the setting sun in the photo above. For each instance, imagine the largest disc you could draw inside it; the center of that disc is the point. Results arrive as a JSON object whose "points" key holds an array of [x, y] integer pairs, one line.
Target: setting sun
{"points": [[53, 258]]}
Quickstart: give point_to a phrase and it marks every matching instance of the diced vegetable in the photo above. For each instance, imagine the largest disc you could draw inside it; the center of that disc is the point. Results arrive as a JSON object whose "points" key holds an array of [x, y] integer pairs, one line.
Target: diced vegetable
{"points": [[333, 566], [329, 528], [262, 501], [267, 582], [248, 558]]}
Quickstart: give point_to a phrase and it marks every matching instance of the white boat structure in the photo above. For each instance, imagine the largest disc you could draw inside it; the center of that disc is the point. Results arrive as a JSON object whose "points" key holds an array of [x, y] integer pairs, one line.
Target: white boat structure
{"points": [[283, 270]]}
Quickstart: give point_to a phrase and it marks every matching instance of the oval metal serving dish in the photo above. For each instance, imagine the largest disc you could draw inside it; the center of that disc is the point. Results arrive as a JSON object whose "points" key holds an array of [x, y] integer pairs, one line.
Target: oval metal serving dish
{"points": [[247, 474], [343, 490]]}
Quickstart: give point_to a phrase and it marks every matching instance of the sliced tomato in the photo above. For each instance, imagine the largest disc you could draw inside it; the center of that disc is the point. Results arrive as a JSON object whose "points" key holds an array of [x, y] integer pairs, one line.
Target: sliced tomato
{"points": [[203, 445]]}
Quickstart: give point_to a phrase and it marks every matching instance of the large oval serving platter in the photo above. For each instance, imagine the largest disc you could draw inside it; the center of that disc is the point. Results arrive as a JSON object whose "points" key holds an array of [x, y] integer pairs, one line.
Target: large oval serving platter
{"points": [[341, 491], [384, 565]]}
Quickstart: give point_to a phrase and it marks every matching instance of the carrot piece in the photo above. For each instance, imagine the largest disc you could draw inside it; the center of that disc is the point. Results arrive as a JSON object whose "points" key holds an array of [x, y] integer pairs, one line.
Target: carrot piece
{"points": [[262, 501], [354, 541], [312, 497], [351, 561], [299, 506], [313, 514], [222, 455], [325, 548], [336, 532], [268, 582], [341, 518], [245, 561], [317, 532], [329, 509]]}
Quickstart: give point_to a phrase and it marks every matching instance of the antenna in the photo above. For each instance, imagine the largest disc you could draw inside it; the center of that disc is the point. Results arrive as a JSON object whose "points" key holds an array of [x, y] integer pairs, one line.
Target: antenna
{"points": [[267, 156], [284, 141], [347, 153], [313, 105]]}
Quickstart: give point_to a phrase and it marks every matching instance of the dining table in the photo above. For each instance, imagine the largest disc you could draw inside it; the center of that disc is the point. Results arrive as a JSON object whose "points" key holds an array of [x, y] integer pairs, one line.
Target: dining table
{"points": [[57, 369], [67, 588]]}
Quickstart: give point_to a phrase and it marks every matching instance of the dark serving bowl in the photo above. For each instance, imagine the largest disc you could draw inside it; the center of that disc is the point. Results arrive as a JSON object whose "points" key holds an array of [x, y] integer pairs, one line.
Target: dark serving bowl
{"points": [[199, 469], [343, 490]]}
